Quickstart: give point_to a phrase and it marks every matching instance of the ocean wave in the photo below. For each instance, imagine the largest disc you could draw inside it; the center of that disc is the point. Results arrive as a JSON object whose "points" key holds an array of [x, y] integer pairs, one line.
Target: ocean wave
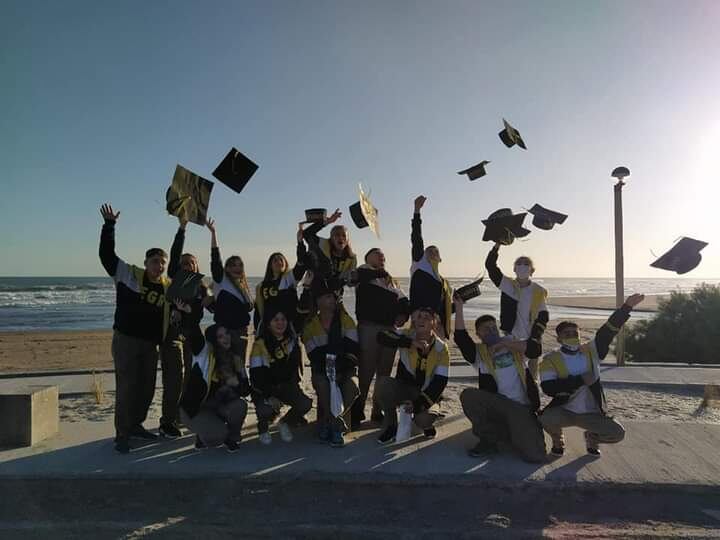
{"points": [[54, 288]]}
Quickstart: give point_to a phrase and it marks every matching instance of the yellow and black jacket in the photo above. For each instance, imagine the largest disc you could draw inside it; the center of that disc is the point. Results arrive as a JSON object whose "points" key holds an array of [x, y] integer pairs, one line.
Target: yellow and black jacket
{"points": [[378, 298], [429, 374], [326, 265], [341, 340], [232, 305], [141, 310], [274, 362]]}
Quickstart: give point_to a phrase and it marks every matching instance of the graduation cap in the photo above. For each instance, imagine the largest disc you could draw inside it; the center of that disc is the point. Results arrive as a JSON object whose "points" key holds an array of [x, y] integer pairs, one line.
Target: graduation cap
{"points": [[315, 215], [476, 171], [364, 214], [682, 257], [185, 286], [469, 291], [511, 136], [188, 196], [235, 170], [503, 226], [546, 219]]}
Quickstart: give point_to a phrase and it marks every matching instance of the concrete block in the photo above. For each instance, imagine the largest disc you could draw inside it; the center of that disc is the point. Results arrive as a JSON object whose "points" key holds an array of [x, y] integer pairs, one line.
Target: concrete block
{"points": [[28, 415]]}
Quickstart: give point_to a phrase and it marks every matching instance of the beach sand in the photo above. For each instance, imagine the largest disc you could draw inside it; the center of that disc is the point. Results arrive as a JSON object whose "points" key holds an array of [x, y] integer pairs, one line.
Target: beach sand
{"points": [[603, 302]]}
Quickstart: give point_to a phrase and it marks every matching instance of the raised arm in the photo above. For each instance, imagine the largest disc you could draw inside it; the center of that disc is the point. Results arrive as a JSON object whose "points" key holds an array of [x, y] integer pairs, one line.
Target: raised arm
{"points": [[301, 252], [491, 265], [177, 249], [609, 330], [461, 337], [416, 239], [216, 266], [108, 257]]}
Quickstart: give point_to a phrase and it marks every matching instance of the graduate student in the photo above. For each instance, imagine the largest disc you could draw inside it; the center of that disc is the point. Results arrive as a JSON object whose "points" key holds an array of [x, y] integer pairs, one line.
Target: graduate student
{"points": [[504, 406], [141, 322], [420, 378], [571, 376], [427, 287]]}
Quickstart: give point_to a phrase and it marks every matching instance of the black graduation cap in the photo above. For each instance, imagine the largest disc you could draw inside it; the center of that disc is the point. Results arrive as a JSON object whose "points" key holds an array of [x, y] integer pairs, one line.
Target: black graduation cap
{"points": [[469, 291], [546, 219], [503, 226], [476, 171], [364, 214], [511, 136], [682, 257], [185, 286], [188, 196], [315, 215], [235, 170]]}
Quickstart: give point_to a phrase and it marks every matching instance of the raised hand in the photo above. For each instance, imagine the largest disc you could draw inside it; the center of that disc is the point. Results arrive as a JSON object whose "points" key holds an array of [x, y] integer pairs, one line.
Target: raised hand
{"points": [[337, 214], [210, 224], [634, 299], [183, 220], [300, 232], [182, 306], [106, 211], [419, 202]]}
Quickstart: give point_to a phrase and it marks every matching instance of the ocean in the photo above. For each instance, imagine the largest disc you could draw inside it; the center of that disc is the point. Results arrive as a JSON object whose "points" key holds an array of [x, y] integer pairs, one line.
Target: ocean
{"points": [[87, 303]]}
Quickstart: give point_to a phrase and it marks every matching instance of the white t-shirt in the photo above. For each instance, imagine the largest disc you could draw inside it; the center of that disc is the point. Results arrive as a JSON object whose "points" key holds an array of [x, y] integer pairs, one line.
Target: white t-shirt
{"points": [[582, 401], [507, 377]]}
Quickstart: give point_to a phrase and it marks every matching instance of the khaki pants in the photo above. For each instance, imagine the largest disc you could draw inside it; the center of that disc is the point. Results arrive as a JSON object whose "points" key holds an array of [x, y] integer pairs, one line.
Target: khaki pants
{"points": [[135, 363], [599, 428], [349, 391], [173, 370], [391, 392], [290, 394], [497, 418], [215, 423], [374, 359]]}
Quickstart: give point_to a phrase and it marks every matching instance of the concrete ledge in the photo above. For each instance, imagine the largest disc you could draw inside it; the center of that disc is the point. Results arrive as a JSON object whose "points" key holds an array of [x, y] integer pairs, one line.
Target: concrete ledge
{"points": [[28, 415]]}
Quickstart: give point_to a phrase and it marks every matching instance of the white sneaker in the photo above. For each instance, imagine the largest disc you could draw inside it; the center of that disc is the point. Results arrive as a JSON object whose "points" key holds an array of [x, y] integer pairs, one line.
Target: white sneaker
{"points": [[265, 438], [285, 433]]}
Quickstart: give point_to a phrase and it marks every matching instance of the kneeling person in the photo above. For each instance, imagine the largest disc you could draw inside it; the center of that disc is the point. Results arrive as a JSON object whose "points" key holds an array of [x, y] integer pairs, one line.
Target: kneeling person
{"points": [[504, 407], [571, 376], [275, 365], [420, 378]]}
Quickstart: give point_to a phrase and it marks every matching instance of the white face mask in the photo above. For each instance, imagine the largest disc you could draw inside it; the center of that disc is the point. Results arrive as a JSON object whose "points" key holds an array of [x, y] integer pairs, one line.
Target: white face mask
{"points": [[522, 271]]}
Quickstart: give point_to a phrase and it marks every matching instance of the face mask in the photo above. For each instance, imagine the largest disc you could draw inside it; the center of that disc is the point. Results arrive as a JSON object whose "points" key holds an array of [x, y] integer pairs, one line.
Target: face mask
{"points": [[572, 344], [522, 271], [491, 339]]}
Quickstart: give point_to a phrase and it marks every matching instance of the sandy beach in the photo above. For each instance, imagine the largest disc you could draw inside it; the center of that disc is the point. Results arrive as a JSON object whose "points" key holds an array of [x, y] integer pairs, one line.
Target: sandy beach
{"points": [[650, 304]]}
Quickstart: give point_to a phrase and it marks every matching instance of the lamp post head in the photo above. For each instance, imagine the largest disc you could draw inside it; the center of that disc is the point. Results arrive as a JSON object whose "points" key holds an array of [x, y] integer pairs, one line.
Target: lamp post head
{"points": [[620, 173]]}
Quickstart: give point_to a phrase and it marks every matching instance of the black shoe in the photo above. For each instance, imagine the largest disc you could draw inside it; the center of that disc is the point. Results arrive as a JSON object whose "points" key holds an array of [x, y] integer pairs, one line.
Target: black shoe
{"points": [[557, 451], [387, 436], [593, 451], [122, 445], [232, 446], [169, 431], [483, 448], [199, 444], [139, 432], [430, 433]]}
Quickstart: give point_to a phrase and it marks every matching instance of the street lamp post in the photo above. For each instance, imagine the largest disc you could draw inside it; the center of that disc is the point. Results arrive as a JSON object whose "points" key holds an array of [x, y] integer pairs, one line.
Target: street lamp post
{"points": [[620, 173]]}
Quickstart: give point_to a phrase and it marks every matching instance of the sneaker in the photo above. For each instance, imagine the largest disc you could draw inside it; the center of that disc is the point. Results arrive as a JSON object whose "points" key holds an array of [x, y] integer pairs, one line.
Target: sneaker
{"points": [[169, 431], [265, 438], [285, 433], [483, 448], [557, 451], [122, 445], [387, 436], [324, 434], [336, 439], [199, 445], [430, 433], [592, 449], [139, 432], [231, 445]]}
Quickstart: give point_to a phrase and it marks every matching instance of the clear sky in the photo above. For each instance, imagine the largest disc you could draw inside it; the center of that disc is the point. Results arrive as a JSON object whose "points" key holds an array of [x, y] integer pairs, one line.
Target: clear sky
{"points": [[100, 101]]}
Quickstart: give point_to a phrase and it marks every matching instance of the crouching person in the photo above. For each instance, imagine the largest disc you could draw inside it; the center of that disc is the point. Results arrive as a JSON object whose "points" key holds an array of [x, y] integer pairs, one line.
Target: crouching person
{"points": [[504, 407], [212, 406], [420, 378], [275, 366], [331, 342], [571, 376]]}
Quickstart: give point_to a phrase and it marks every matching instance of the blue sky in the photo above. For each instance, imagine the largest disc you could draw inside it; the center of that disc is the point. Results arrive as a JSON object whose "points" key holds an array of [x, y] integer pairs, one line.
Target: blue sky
{"points": [[102, 99]]}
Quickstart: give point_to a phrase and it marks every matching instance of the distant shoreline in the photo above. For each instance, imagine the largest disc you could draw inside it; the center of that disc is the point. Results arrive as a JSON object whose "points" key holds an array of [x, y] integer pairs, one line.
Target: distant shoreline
{"points": [[650, 304]]}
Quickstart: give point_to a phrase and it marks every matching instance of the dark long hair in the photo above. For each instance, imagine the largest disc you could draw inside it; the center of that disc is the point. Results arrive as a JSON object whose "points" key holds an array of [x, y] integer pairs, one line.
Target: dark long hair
{"points": [[268, 267]]}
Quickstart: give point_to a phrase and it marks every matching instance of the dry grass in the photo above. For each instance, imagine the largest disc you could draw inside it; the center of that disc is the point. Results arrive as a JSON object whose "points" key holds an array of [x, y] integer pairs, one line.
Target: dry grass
{"points": [[97, 388]]}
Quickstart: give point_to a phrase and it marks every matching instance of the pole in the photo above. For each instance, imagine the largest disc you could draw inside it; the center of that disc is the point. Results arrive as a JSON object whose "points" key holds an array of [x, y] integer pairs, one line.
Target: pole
{"points": [[619, 272]]}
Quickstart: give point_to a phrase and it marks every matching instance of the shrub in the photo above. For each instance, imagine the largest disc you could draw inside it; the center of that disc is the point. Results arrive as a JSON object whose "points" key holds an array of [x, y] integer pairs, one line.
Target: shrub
{"points": [[686, 329]]}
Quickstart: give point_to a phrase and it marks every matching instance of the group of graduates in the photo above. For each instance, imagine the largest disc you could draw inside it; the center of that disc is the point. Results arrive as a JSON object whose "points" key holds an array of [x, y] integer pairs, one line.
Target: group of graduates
{"points": [[209, 378]]}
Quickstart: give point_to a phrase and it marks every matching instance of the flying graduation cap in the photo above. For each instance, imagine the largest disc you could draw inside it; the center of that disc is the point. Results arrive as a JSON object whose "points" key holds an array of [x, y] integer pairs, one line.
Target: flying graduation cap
{"points": [[546, 219], [185, 286], [682, 257], [511, 136], [502, 226], [469, 291], [364, 214], [476, 171], [188, 196], [235, 170]]}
